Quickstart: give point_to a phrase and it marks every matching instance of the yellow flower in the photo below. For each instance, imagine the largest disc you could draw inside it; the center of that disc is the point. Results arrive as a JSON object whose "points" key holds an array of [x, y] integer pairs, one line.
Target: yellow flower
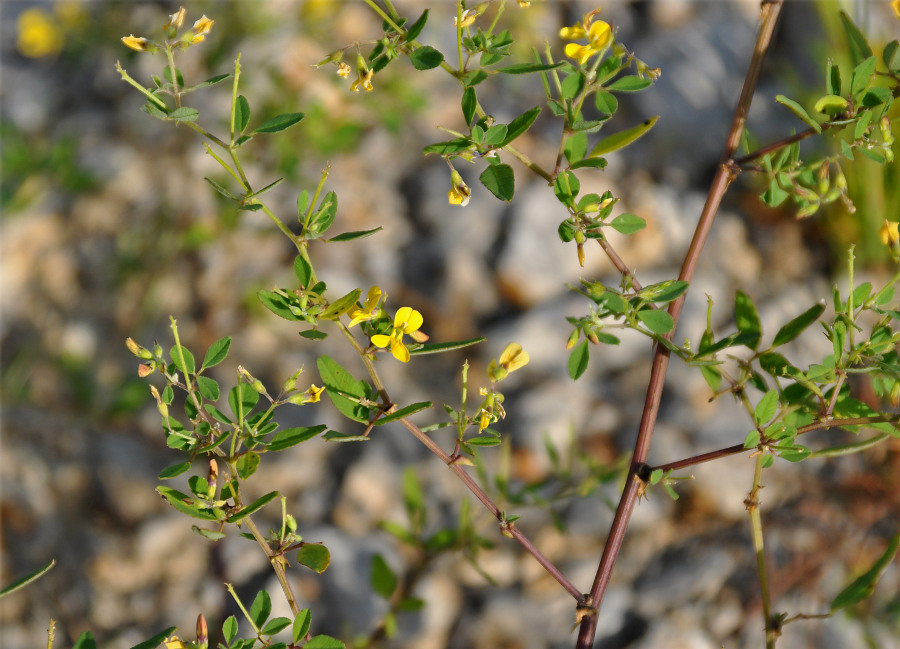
{"points": [[524, 4], [364, 79], [599, 35], [468, 17], [174, 643], [895, 5], [890, 232], [343, 70], [407, 321], [201, 28], [137, 43], [512, 358], [176, 20], [459, 192], [38, 34], [369, 310]]}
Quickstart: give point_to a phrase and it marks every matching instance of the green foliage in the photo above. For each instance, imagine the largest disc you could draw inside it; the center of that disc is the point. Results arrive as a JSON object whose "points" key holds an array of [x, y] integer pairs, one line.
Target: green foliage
{"points": [[783, 398]]}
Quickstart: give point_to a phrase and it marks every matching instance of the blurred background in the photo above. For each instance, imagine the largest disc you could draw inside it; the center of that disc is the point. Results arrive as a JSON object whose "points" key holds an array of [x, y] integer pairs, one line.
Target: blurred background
{"points": [[108, 229]]}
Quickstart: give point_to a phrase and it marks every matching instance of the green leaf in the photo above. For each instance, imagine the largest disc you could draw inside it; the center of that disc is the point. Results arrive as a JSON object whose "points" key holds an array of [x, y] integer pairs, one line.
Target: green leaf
{"points": [[864, 585], [242, 398], [891, 56], [261, 608], [566, 187], [500, 181], [622, 139], [241, 114], [799, 111], [831, 105], [483, 441], [301, 625], [187, 367], [437, 348], [275, 625], [210, 535], [449, 147], [404, 412], [212, 81], [339, 382], [494, 135], [174, 470], [185, 504], [628, 223], [247, 464], [578, 360], [312, 334], [340, 306], [525, 68], [663, 292], [27, 579], [862, 76], [229, 629], [303, 271], [520, 124], [411, 34], [383, 580], [426, 58], [252, 507], [184, 114], [277, 304], [632, 83], [279, 123], [747, 320], [606, 102], [766, 408], [796, 326], [593, 163], [832, 79], [859, 47], [155, 641], [85, 641], [656, 320], [469, 103], [216, 353], [224, 192], [289, 437], [324, 642], [572, 86], [314, 556]]}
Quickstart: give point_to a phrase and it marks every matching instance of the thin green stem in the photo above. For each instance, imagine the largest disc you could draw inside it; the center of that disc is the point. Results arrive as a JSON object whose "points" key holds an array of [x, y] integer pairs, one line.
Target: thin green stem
{"points": [[173, 72], [149, 95], [752, 504], [385, 17]]}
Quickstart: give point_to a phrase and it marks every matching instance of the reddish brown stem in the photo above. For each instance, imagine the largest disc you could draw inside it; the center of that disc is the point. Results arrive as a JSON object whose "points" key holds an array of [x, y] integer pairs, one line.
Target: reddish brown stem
{"points": [[725, 174]]}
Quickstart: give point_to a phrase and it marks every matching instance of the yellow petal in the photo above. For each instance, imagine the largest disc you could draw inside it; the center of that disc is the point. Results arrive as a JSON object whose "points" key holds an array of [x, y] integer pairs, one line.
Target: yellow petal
{"points": [[580, 53], [514, 357], [137, 43], [890, 231], [400, 352], [407, 320], [600, 34], [380, 340], [895, 5], [572, 33]]}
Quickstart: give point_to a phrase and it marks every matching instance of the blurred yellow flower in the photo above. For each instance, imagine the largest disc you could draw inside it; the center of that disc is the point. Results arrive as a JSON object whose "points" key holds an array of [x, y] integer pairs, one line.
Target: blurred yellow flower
{"points": [[407, 321], [599, 35], [896, 7], [364, 79], [201, 28], [343, 70], [369, 309], [468, 17], [176, 20], [512, 358], [890, 232], [38, 34], [459, 192], [137, 43]]}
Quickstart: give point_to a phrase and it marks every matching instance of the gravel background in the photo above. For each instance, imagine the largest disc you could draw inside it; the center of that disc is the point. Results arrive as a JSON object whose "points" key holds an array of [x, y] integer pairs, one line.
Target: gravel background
{"points": [[108, 228]]}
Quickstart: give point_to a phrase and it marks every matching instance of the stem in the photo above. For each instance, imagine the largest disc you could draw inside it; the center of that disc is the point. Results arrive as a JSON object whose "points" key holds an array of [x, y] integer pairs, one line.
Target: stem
{"points": [[278, 565], [752, 504], [127, 78], [725, 174]]}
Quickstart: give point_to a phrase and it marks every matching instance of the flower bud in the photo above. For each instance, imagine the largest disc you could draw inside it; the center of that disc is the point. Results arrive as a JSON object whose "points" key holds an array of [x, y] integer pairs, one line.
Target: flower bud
{"points": [[202, 629], [146, 369], [176, 20], [573, 339]]}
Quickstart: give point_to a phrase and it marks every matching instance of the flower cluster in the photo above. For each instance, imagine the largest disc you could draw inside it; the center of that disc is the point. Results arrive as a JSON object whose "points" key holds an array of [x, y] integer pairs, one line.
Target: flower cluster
{"points": [[196, 34], [598, 33]]}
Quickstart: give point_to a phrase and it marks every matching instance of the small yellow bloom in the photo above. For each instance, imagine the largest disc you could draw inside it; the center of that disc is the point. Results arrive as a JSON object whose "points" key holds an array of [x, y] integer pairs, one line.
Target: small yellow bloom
{"points": [[364, 79], [313, 394], [524, 4], [890, 232], [468, 17], [137, 43], [343, 70], [512, 358], [176, 20], [369, 310], [598, 33], [38, 34], [459, 193], [895, 5], [201, 28], [407, 321], [174, 643]]}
